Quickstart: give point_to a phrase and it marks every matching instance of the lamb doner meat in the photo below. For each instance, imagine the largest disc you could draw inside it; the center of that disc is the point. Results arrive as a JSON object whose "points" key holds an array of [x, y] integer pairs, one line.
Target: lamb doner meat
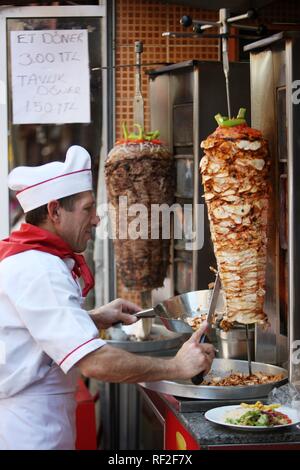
{"points": [[235, 169], [140, 168]]}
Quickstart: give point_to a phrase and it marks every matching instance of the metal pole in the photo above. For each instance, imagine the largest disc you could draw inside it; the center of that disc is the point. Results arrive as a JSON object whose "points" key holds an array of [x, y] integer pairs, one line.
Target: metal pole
{"points": [[138, 102], [248, 350], [224, 29]]}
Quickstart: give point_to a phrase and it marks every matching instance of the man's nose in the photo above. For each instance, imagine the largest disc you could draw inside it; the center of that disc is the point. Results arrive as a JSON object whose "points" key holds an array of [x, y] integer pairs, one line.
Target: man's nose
{"points": [[95, 221]]}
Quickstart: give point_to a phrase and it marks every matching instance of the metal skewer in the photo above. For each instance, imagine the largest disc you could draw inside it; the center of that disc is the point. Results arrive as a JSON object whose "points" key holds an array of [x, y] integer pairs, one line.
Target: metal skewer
{"points": [[223, 25], [226, 73], [138, 102], [248, 350], [224, 30]]}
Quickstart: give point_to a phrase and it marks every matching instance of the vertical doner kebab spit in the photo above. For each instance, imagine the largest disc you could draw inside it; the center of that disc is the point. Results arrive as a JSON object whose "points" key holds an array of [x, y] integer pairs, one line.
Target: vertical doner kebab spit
{"points": [[140, 168], [235, 169]]}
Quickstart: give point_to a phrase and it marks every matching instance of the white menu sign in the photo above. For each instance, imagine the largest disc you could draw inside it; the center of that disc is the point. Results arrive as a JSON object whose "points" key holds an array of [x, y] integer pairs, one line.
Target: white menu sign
{"points": [[50, 76]]}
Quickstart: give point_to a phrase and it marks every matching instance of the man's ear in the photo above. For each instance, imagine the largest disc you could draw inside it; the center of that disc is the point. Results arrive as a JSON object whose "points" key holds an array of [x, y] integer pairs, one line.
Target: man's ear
{"points": [[54, 211]]}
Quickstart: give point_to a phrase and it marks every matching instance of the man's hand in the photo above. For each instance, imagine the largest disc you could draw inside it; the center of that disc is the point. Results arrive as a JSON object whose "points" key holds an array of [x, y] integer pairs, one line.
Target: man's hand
{"points": [[193, 357], [118, 310], [110, 364]]}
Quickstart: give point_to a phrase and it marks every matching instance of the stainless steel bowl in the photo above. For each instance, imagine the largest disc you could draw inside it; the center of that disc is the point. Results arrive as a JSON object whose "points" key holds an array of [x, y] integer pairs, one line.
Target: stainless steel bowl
{"points": [[222, 368]]}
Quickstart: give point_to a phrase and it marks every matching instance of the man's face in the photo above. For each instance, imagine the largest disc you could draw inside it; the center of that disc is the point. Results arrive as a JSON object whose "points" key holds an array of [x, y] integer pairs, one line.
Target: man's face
{"points": [[75, 227]]}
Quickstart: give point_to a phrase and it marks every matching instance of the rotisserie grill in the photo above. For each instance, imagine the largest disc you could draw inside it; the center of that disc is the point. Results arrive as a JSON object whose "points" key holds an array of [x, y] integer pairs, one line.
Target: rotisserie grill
{"points": [[235, 171], [141, 169]]}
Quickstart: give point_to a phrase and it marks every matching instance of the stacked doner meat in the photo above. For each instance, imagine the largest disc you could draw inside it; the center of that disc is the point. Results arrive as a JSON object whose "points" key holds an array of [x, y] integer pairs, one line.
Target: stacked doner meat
{"points": [[235, 169], [141, 169]]}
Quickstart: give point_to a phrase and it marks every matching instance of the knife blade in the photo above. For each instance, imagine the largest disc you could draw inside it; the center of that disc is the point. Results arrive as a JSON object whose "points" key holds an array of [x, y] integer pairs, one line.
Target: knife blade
{"points": [[198, 379], [213, 300], [138, 102]]}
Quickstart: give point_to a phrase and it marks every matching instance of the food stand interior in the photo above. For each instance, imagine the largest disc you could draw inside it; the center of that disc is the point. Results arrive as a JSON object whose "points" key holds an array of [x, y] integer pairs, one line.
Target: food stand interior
{"points": [[182, 106], [184, 97], [273, 70]]}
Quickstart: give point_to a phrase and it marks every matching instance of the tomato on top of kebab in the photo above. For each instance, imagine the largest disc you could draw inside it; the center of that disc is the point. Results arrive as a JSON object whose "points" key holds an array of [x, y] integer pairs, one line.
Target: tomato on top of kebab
{"points": [[235, 128]]}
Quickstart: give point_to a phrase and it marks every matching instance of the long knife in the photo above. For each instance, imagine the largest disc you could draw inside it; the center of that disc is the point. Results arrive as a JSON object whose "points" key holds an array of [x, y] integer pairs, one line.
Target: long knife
{"points": [[198, 379], [138, 102]]}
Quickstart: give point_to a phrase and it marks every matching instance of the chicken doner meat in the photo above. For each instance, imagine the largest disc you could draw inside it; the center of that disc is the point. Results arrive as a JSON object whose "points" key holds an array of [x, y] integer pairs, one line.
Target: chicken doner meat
{"points": [[235, 169], [139, 168]]}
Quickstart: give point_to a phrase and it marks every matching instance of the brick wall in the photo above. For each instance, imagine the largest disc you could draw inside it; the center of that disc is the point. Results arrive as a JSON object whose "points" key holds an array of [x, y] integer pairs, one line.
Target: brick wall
{"points": [[281, 11], [145, 20]]}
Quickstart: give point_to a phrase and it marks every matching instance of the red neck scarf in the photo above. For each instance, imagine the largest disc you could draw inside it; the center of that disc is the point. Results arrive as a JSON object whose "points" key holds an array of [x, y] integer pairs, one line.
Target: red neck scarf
{"points": [[30, 237]]}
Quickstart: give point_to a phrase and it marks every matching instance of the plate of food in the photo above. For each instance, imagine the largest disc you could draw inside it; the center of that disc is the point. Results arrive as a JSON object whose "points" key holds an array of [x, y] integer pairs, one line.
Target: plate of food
{"points": [[254, 417]]}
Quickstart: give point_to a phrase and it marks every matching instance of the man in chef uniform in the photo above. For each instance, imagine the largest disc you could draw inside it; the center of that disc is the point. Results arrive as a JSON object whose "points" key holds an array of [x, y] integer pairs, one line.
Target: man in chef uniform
{"points": [[47, 337]]}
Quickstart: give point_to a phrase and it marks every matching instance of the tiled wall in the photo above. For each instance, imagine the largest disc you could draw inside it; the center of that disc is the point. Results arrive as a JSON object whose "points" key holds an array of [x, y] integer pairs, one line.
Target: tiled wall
{"points": [[145, 20], [281, 11]]}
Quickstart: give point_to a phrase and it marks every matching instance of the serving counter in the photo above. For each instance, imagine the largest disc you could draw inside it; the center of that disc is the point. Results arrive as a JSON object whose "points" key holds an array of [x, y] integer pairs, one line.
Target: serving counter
{"points": [[184, 430]]}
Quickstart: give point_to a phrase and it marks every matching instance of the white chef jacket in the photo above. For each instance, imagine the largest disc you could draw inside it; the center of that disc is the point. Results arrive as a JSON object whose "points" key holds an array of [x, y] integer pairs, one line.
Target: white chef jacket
{"points": [[44, 332]]}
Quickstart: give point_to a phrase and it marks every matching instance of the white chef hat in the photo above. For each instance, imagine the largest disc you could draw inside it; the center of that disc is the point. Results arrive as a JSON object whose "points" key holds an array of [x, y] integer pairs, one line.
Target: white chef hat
{"points": [[39, 185]]}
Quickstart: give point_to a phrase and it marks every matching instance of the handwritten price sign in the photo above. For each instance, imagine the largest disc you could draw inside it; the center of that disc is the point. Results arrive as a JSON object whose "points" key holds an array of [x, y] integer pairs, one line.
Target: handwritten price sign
{"points": [[50, 76]]}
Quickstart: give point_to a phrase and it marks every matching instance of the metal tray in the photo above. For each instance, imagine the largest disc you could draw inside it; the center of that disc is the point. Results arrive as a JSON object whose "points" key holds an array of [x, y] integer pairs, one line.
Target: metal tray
{"points": [[221, 368], [162, 339]]}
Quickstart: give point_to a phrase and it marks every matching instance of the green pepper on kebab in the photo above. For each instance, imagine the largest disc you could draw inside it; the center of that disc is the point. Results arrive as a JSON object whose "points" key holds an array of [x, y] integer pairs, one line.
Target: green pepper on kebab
{"points": [[225, 121]]}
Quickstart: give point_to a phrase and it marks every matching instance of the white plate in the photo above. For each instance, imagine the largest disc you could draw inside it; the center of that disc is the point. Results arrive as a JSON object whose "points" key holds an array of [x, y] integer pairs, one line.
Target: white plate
{"points": [[218, 416]]}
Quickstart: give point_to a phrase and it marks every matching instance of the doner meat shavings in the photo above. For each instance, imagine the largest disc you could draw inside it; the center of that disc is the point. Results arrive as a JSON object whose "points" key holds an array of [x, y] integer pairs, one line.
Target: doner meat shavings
{"points": [[237, 379], [139, 172], [237, 206]]}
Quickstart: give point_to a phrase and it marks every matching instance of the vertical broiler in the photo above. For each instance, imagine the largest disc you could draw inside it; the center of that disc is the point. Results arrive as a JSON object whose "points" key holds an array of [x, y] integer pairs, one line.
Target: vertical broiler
{"points": [[275, 111], [176, 91], [275, 73], [235, 170]]}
